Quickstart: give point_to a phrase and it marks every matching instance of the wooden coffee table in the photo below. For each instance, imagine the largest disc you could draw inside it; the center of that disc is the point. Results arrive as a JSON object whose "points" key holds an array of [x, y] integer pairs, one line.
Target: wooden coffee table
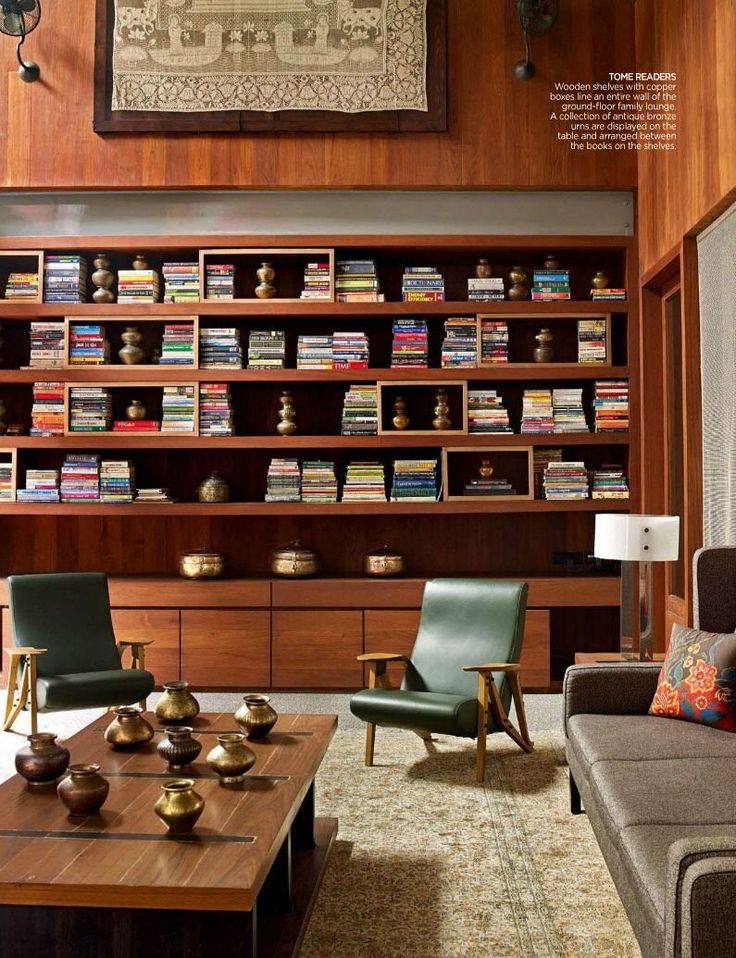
{"points": [[117, 884]]}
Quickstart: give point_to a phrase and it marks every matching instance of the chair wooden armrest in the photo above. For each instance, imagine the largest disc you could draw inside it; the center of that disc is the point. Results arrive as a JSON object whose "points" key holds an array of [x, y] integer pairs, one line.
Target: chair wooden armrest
{"points": [[137, 651], [383, 657], [493, 667], [125, 643], [18, 650]]}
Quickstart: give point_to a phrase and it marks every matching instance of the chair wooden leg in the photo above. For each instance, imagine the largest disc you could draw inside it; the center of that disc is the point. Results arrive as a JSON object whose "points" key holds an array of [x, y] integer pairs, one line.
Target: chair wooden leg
{"points": [[480, 759], [370, 741], [10, 693], [16, 708], [139, 662], [518, 697], [503, 721]]}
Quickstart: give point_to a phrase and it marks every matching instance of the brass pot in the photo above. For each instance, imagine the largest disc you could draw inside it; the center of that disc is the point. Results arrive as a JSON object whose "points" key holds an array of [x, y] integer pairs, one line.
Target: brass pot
{"points": [[84, 790], [128, 730], [179, 807], [179, 748], [177, 704], [295, 561], [256, 716], [43, 760], [384, 562], [213, 489], [231, 758], [201, 565]]}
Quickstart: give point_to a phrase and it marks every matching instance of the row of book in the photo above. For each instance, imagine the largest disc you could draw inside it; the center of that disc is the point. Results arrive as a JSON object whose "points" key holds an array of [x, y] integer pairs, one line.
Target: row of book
{"points": [[317, 285], [88, 345], [138, 286], [360, 411], [572, 480], [414, 480], [181, 282], [422, 284], [6, 481], [340, 350], [22, 287], [215, 410], [550, 284], [356, 281], [47, 345], [65, 278], [177, 346], [553, 411]]}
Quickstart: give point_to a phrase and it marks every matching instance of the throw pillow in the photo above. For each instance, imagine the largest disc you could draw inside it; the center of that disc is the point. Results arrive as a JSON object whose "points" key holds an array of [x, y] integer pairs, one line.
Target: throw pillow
{"points": [[697, 682]]}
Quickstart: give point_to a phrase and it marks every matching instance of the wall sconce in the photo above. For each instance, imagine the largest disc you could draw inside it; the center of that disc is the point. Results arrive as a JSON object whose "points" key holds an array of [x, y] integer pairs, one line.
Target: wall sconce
{"points": [[18, 18], [536, 17]]}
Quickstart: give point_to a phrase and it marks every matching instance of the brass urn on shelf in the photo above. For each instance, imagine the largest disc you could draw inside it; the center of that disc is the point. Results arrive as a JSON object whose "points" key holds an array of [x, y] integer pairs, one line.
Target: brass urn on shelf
{"points": [[483, 269], [287, 414], [383, 562], [441, 419], [599, 280], [131, 352], [519, 288], [139, 261], [400, 420], [135, 410], [266, 275], [256, 716], [103, 279], [84, 790], [128, 730], [201, 565], [485, 470], [543, 352], [551, 262], [179, 748], [177, 704], [295, 560], [231, 758], [213, 489], [179, 806], [43, 761]]}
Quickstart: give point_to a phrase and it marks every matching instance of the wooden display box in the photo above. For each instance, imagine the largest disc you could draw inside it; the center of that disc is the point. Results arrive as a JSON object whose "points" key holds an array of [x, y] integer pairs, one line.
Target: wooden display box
{"points": [[10, 456], [461, 464], [21, 261], [150, 393], [421, 400], [152, 330], [289, 265], [524, 327]]}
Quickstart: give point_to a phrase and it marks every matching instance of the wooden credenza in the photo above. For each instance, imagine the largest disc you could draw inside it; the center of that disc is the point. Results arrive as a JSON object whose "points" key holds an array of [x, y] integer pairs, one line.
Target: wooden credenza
{"points": [[303, 634]]}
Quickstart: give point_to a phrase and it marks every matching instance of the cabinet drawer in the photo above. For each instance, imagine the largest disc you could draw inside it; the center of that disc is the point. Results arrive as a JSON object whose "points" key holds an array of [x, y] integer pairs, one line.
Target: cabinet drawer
{"points": [[223, 649], [317, 649], [159, 625]]}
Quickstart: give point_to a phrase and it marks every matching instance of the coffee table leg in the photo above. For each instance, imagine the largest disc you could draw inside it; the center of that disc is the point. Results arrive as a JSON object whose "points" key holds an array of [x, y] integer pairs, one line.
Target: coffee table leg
{"points": [[302, 830], [276, 892]]}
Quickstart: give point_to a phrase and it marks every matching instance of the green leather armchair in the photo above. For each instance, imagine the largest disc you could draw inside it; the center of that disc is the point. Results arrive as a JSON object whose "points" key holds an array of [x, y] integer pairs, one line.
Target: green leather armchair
{"points": [[64, 654], [463, 670]]}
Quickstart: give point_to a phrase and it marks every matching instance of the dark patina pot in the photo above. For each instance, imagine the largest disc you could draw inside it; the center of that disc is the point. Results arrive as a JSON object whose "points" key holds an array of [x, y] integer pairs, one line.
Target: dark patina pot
{"points": [[179, 748], [43, 760], [84, 790]]}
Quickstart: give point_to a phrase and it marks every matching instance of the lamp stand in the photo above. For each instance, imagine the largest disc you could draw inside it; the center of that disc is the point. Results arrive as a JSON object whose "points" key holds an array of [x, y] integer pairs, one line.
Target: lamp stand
{"points": [[636, 594]]}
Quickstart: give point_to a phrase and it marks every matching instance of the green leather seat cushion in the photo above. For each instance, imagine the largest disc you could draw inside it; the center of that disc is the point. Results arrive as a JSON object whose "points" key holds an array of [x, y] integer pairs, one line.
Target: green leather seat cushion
{"points": [[79, 690], [438, 712]]}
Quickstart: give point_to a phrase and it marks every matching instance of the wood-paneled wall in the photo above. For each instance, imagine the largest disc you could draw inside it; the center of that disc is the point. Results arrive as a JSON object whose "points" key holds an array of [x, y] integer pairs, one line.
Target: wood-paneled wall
{"points": [[678, 189], [499, 134]]}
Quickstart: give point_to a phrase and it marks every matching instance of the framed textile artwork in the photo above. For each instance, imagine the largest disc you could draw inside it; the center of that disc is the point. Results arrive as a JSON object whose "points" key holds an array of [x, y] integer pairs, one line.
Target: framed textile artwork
{"points": [[270, 65]]}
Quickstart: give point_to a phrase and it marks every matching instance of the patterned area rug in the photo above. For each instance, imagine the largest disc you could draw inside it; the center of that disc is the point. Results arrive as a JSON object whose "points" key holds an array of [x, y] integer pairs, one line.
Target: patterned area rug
{"points": [[429, 865]]}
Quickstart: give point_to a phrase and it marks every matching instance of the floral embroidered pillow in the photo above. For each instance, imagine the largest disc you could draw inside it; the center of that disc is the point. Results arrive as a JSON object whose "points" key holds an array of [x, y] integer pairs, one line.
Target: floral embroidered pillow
{"points": [[697, 682]]}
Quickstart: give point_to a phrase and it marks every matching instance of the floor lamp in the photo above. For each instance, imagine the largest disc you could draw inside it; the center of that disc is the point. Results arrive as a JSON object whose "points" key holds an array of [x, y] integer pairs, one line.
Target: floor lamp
{"points": [[636, 540]]}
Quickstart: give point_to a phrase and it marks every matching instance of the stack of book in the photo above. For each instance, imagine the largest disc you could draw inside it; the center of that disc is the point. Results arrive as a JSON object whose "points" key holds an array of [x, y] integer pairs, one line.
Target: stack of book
{"points": [[317, 281], [117, 480], [90, 409], [422, 284], [23, 286], [410, 345], [551, 284], [350, 350], [541, 459], [565, 480], [284, 481], [138, 286], [486, 412], [88, 345], [592, 341], [47, 412], [177, 409], [153, 494], [494, 341], [611, 404], [80, 478], [364, 482], [267, 349], [460, 346], [6, 481], [611, 294], [42, 485], [219, 281], [319, 483], [314, 352], [356, 281], [536, 412], [177, 347], [609, 482], [489, 487], [136, 425], [47, 345], [215, 410], [181, 282], [360, 411], [567, 408], [219, 347], [64, 278], [485, 289], [415, 480]]}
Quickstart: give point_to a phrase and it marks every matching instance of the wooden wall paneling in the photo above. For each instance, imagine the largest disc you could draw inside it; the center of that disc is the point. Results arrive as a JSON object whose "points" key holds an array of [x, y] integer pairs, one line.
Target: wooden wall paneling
{"points": [[316, 649], [535, 652], [159, 625], [226, 648]]}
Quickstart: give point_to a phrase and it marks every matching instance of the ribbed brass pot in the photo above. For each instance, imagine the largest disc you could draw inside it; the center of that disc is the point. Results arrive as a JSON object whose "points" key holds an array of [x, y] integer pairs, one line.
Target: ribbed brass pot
{"points": [[84, 790], [177, 704], [179, 748], [179, 806], [256, 716], [231, 758], [383, 562], [128, 730], [295, 560], [43, 760], [201, 565]]}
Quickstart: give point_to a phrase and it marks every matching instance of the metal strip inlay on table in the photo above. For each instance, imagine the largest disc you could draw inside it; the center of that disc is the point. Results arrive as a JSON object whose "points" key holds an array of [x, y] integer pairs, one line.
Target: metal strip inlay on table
{"points": [[186, 772], [192, 838]]}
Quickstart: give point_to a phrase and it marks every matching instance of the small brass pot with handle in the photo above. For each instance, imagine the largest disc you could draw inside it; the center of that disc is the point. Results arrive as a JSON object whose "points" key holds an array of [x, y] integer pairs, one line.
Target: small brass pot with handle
{"points": [[295, 561], [384, 562]]}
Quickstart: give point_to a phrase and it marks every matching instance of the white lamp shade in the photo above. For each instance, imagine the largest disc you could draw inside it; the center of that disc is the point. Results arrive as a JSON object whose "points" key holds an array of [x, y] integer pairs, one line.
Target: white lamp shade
{"points": [[637, 538]]}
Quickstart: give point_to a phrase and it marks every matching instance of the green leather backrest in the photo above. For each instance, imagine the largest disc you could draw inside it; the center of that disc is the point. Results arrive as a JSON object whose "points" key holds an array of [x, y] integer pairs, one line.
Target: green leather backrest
{"points": [[465, 622], [68, 614]]}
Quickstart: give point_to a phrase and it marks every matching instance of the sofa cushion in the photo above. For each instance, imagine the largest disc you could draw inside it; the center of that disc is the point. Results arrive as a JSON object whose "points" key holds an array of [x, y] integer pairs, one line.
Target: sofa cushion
{"points": [[697, 682]]}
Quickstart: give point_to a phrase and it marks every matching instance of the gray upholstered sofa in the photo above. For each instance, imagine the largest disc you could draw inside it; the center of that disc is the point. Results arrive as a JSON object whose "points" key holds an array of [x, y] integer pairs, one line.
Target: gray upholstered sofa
{"points": [[660, 793]]}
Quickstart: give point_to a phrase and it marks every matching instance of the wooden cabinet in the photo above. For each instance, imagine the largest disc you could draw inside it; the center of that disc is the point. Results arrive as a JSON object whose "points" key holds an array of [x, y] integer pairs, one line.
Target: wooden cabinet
{"points": [[159, 625], [317, 649], [391, 630], [535, 661], [223, 649]]}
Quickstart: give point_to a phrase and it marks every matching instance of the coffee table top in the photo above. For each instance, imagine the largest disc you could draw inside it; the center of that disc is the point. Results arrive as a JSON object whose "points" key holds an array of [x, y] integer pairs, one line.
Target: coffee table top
{"points": [[124, 857]]}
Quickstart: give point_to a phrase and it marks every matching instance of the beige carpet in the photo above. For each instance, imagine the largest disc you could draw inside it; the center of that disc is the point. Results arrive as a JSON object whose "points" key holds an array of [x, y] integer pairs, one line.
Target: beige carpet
{"points": [[430, 865]]}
